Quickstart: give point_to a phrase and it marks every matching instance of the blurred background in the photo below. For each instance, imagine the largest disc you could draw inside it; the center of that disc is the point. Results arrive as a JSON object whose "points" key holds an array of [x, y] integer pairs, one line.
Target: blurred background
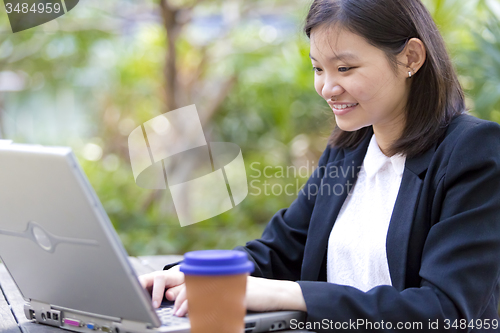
{"points": [[87, 79]]}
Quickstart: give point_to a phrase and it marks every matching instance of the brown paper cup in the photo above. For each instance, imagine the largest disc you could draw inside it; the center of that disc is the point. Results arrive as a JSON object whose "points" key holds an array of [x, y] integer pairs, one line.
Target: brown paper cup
{"points": [[216, 304]]}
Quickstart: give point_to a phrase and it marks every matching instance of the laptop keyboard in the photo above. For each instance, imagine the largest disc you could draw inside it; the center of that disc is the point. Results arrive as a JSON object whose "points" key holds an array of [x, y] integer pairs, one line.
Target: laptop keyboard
{"points": [[166, 315]]}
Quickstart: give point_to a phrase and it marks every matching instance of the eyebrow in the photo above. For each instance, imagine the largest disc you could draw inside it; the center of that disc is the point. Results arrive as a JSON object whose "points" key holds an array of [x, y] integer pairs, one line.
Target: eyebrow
{"points": [[340, 56]]}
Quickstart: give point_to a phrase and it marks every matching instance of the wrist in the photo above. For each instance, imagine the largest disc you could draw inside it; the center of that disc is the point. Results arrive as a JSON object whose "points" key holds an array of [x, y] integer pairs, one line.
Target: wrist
{"points": [[291, 297]]}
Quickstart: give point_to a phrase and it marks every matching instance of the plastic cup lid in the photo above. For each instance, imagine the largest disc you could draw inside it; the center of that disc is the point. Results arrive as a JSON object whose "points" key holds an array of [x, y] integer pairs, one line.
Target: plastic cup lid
{"points": [[216, 262]]}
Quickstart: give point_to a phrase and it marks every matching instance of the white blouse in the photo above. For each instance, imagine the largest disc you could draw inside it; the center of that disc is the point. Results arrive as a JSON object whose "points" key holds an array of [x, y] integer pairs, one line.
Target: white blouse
{"points": [[356, 247]]}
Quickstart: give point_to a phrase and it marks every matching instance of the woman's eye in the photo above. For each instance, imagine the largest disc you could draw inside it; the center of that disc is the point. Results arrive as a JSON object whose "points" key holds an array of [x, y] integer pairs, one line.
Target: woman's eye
{"points": [[344, 69]]}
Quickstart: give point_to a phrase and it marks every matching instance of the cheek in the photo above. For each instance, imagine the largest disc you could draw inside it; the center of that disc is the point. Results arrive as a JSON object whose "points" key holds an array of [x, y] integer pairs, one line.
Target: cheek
{"points": [[368, 89], [359, 90], [387, 84]]}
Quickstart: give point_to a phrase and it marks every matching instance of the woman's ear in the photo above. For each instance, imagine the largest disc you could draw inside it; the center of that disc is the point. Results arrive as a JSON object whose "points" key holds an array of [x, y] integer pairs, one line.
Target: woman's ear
{"points": [[413, 55]]}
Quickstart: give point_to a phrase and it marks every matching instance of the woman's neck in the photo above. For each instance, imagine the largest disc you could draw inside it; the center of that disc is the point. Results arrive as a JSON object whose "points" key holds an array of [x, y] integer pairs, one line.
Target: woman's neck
{"points": [[387, 135]]}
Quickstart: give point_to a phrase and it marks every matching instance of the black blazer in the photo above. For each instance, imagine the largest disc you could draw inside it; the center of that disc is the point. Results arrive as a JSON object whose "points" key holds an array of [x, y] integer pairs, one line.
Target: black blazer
{"points": [[443, 243]]}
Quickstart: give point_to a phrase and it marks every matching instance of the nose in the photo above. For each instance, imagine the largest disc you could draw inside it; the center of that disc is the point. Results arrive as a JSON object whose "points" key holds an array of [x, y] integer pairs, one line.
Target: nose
{"points": [[331, 89]]}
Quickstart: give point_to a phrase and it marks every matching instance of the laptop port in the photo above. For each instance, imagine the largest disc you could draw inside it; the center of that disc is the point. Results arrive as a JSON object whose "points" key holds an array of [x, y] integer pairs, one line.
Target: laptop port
{"points": [[48, 315], [278, 326], [71, 322], [250, 325], [55, 316], [105, 329]]}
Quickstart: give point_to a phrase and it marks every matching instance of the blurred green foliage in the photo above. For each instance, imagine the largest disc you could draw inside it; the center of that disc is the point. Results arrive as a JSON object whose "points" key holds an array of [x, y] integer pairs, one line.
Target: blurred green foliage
{"points": [[90, 77]]}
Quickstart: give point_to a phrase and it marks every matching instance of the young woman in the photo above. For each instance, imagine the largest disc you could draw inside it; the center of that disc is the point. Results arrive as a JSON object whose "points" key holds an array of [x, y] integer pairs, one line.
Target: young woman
{"points": [[400, 223]]}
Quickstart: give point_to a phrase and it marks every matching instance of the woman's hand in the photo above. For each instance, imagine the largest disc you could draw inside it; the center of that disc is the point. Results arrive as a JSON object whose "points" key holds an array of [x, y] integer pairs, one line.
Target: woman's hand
{"points": [[271, 295], [261, 295], [159, 283]]}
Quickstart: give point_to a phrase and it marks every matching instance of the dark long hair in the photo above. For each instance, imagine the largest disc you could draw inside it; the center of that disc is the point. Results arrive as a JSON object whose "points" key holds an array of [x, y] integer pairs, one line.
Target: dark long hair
{"points": [[435, 95]]}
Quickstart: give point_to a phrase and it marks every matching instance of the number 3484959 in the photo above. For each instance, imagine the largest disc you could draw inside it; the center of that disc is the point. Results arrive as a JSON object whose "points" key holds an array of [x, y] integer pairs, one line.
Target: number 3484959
{"points": [[36, 8]]}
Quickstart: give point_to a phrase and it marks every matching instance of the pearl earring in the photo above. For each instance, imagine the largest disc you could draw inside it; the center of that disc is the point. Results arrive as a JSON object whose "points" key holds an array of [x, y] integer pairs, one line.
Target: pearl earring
{"points": [[410, 72]]}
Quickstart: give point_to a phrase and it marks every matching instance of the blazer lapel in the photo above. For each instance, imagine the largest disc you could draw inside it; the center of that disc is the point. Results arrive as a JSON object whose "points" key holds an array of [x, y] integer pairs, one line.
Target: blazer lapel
{"points": [[403, 216], [339, 177], [338, 180]]}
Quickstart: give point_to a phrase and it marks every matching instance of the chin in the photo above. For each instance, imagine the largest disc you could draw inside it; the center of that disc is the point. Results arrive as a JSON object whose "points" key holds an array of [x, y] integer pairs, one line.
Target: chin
{"points": [[349, 126]]}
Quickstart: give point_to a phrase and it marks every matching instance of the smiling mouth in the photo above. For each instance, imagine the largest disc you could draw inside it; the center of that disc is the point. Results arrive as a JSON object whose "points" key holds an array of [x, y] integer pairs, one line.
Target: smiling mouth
{"points": [[343, 106], [342, 109]]}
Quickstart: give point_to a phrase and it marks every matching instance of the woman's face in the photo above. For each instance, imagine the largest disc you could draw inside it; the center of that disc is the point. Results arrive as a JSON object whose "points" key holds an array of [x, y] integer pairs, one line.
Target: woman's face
{"points": [[357, 81]]}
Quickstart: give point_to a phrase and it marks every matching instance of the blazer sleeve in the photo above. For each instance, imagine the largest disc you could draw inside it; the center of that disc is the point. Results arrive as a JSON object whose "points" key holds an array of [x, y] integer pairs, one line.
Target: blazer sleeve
{"points": [[278, 253], [460, 266]]}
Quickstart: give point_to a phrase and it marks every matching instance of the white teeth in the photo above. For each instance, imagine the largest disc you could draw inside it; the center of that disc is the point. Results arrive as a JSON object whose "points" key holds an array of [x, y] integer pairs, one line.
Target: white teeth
{"points": [[343, 106]]}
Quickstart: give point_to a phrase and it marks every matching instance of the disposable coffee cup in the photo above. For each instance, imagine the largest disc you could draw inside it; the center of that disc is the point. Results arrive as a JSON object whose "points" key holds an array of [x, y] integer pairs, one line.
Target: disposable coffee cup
{"points": [[216, 286]]}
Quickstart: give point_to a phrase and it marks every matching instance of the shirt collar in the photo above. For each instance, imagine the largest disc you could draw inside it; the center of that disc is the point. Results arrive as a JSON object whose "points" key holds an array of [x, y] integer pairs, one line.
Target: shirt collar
{"points": [[375, 160]]}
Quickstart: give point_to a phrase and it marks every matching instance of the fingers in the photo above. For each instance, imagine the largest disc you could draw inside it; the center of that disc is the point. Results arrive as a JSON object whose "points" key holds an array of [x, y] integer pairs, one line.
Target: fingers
{"points": [[146, 280], [157, 282], [172, 293], [174, 276], [180, 305], [183, 309], [158, 290]]}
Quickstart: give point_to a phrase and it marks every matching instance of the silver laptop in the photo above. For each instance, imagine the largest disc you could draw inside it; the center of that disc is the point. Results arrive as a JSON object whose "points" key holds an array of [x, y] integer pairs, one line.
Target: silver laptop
{"points": [[63, 253]]}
